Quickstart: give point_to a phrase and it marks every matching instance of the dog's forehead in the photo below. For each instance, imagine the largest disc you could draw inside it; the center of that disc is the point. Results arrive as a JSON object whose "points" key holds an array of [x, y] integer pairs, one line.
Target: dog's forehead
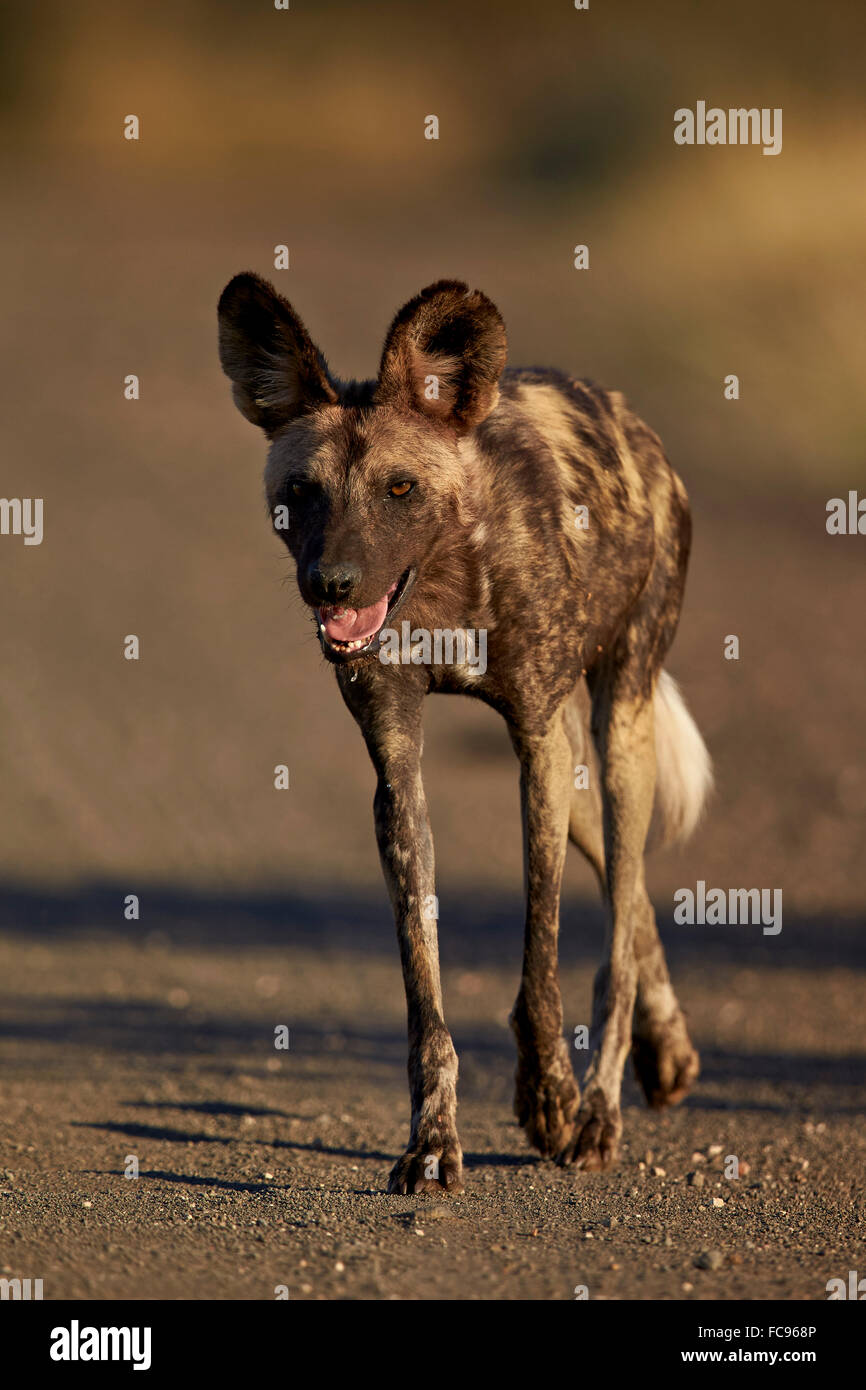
{"points": [[340, 443]]}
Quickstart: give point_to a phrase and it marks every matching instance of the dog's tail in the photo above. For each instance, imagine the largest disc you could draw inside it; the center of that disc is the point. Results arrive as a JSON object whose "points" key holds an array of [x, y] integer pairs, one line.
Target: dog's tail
{"points": [[684, 770]]}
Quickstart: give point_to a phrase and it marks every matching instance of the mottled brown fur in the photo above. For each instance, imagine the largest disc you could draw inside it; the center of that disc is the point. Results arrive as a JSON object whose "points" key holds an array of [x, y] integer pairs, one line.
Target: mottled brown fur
{"points": [[578, 623]]}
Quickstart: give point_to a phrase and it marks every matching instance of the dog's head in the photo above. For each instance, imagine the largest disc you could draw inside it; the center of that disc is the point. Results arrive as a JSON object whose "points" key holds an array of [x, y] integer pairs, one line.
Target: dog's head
{"points": [[366, 483]]}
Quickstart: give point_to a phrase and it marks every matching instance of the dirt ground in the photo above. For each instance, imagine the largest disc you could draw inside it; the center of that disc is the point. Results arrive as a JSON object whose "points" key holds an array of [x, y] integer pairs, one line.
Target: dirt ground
{"points": [[260, 1168]]}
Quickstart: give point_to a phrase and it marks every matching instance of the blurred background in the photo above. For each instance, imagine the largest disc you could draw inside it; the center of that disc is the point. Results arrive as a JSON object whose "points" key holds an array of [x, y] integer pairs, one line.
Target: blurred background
{"points": [[155, 777], [306, 127]]}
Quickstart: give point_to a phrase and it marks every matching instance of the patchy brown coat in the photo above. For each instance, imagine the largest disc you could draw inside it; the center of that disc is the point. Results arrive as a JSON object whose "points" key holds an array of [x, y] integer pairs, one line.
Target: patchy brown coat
{"points": [[447, 494]]}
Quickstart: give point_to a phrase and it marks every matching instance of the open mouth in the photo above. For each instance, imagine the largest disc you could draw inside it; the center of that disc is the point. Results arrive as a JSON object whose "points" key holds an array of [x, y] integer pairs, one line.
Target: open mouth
{"points": [[347, 633]]}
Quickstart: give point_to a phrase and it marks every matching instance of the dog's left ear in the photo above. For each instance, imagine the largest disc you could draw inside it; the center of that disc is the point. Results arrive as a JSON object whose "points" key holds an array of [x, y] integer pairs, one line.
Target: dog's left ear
{"points": [[276, 370], [443, 356]]}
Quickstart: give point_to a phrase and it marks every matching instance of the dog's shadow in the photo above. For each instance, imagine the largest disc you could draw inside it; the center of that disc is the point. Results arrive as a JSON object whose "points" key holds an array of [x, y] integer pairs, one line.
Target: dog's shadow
{"points": [[477, 929]]}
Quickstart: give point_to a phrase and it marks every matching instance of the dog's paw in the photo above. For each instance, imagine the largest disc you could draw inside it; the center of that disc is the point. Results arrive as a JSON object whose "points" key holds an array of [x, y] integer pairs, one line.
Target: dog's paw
{"points": [[665, 1063], [545, 1106], [436, 1169], [594, 1144]]}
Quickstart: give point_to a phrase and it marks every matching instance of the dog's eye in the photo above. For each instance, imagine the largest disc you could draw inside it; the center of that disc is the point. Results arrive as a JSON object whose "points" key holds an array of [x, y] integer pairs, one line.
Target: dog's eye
{"points": [[400, 489], [301, 489]]}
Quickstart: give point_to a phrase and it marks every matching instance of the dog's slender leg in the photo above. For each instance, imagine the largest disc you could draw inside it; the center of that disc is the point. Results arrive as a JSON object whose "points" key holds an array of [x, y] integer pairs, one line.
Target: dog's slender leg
{"points": [[433, 1158], [546, 1095], [625, 735], [665, 1062], [392, 731]]}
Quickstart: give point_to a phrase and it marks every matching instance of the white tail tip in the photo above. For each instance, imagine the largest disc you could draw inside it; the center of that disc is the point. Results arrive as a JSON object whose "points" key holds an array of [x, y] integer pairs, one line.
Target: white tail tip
{"points": [[684, 770]]}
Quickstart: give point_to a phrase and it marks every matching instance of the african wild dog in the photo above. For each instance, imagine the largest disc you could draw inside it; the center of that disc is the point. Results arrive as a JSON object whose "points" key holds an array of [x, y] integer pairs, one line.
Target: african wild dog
{"points": [[445, 492]]}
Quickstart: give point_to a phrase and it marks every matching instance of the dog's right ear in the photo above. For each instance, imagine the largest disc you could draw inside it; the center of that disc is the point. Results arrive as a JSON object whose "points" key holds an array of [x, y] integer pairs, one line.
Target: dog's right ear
{"points": [[276, 370], [444, 355]]}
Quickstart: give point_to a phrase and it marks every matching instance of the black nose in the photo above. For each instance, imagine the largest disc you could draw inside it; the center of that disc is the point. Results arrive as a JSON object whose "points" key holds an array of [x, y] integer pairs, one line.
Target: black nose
{"points": [[332, 583]]}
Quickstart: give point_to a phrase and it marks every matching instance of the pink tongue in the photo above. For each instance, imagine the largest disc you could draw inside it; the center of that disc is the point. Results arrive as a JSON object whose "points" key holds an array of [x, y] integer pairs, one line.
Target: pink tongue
{"points": [[354, 624]]}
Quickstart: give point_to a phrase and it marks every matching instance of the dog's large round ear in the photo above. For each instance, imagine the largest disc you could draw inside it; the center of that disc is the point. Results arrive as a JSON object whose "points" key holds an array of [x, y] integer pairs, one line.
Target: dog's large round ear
{"points": [[276, 370], [443, 356]]}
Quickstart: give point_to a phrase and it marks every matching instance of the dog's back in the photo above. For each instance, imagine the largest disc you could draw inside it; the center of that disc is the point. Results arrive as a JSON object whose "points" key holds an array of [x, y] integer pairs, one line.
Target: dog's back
{"points": [[577, 511]]}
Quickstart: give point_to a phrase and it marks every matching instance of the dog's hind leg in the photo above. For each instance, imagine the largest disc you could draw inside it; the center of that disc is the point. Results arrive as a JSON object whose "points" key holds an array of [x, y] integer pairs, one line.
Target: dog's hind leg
{"points": [[546, 1094], [664, 1060], [585, 813], [665, 1063], [623, 728]]}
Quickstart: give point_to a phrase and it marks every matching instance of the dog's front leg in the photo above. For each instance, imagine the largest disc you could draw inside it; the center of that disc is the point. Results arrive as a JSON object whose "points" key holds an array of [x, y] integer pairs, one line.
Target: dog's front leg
{"points": [[390, 719], [433, 1158], [546, 1095]]}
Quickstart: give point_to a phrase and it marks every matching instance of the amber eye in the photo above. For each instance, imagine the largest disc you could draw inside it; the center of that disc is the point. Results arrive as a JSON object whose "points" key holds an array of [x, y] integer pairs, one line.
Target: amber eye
{"points": [[300, 489], [400, 489]]}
